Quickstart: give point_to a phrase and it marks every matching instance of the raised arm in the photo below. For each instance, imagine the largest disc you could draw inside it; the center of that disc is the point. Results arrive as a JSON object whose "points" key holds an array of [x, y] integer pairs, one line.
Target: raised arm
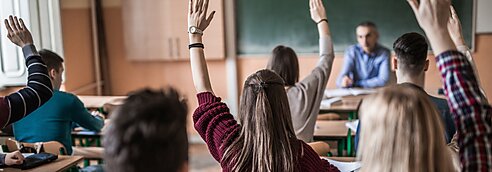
{"points": [[471, 111], [38, 90], [197, 23], [454, 28]]}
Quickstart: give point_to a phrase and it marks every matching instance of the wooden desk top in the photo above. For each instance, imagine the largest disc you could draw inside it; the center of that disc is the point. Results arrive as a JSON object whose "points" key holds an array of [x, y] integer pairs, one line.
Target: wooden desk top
{"points": [[348, 104], [99, 101], [331, 129], [63, 163]]}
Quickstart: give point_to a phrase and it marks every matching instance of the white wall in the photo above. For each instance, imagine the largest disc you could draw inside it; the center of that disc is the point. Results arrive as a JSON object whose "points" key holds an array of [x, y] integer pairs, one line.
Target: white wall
{"points": [[484, 16]]}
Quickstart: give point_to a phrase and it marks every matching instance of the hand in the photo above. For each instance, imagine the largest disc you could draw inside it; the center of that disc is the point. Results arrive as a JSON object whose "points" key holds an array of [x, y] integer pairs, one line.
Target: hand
{"points": [[14, 158], [431, 14], [197, 14], [317, 10], [347, 82], [18, 33], [454, 28]]}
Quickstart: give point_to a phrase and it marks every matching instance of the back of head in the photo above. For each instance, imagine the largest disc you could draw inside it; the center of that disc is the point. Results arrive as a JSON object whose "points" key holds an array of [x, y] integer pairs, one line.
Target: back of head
{"points": [[148, 133], [51, 59], [285, 63], [411, 52], [267, 139], [402, 131]]}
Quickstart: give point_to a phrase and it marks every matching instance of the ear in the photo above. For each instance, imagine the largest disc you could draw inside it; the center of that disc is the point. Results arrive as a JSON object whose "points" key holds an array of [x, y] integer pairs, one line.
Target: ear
{"points": [[394, 63], [426, 67], [52, 73]]}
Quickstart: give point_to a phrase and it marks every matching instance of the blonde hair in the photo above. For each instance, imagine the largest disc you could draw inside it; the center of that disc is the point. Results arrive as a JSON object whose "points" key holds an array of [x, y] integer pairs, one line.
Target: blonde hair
{"points": [[402, 131], [267, 141]]}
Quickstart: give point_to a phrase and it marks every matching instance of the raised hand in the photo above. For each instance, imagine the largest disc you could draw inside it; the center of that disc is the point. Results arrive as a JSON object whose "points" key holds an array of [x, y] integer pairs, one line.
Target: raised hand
{"points": [[14, 158], [454, 28], [18, 32], [197, 15], [433, 16], [317, 10]]}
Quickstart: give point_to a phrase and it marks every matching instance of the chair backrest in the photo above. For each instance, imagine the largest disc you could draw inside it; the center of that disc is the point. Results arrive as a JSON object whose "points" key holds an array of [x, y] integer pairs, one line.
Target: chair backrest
{"points": [[52, 147]]}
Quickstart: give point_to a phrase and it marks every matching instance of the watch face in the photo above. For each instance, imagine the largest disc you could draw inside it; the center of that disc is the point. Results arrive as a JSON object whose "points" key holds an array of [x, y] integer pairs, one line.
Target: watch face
{"points": [[193, 29]]}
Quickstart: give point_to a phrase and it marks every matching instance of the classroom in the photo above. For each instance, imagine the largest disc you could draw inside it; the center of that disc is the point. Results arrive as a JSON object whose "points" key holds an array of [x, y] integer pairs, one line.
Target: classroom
{"points": [[204, 73]]}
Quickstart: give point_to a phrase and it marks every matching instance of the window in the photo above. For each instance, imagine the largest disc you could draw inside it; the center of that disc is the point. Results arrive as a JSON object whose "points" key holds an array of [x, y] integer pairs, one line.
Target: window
{"points": [[42, 17]]}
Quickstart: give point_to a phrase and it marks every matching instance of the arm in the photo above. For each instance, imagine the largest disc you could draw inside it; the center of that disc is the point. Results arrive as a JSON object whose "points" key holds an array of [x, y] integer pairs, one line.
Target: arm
{"points": [[383, 74], [471, 111], [38, 89], [348, 67], [197, 18], [81, 116], [454, 28]]}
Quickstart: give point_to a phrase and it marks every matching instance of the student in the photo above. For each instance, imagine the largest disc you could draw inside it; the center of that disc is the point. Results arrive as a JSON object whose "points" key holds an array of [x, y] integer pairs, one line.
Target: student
{"points": [[366, 64], [402, 131], [305, 96], [410, 65], [38, 90], [264, 139], [471, 112], [52, 121], [148, 133]]}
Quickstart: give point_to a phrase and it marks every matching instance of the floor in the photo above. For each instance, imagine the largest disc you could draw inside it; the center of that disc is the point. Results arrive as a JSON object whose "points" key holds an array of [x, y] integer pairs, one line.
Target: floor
{"points": [[201, 160]]}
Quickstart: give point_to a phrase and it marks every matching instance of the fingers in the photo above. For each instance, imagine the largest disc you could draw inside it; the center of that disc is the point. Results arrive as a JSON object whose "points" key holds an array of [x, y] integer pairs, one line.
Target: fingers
{"points": [[190, 7], [205, 7], [210, 17], [200, 6], [16, 23], [453, 13], [311, 5], [414, 4], [14, 28], [9, 29], [18, 156], [197, 8], [22, 24]]}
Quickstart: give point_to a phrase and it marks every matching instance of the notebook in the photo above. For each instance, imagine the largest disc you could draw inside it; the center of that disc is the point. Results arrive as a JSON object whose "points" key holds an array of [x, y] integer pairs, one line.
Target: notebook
{"points": [[36, 160]]}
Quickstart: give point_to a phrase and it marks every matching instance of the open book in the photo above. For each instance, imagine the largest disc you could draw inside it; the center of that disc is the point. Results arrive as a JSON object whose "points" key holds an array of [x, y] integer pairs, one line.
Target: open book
{"points": [[347, 92], [345, 166]]}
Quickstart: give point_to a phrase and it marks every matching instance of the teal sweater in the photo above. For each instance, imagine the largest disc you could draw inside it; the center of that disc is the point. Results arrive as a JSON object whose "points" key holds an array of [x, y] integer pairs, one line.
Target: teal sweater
{"points": [[53, 121]]}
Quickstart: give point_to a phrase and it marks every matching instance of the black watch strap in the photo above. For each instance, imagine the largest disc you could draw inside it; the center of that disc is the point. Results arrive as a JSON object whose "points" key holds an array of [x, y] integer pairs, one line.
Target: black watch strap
{"points": [[196, 45]]}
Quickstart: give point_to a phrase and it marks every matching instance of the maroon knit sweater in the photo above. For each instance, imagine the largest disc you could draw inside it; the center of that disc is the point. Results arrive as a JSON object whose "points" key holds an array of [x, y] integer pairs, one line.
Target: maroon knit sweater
{"points": [[217, 127]]}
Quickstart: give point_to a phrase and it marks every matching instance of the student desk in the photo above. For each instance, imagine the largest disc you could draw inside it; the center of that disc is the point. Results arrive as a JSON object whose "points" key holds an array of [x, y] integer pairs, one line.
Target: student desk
{"points": [[63, 163], [99, 101], [336, 131], [348, 104]]}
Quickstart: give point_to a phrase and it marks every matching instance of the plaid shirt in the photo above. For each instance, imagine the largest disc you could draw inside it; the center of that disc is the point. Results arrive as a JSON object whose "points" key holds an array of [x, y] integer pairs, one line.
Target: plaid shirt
{"points": [[471, 112]]}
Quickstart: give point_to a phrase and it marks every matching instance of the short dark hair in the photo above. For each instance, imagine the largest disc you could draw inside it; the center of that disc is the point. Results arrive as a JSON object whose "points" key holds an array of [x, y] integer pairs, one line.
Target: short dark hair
{"points": [[148, 133], [411, 52], [51, 59], [285, 63], [367, 24]]}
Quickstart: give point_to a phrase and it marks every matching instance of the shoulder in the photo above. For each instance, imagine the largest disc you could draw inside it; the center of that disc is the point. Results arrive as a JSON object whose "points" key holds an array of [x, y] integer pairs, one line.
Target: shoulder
{"points": [[65, 95], [351, 48], [440, 103]]}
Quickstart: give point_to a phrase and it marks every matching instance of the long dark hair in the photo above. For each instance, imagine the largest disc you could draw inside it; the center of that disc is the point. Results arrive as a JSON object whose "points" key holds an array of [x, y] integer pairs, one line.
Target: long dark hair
{"points": [[267, 139], [285, 63]]}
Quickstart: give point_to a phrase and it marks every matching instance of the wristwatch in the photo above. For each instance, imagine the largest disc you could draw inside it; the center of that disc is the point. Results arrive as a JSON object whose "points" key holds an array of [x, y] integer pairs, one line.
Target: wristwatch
{"points": [[195, 30]]}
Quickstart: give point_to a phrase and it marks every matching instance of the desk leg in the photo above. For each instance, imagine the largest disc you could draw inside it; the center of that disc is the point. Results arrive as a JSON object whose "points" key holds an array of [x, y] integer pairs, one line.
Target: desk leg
{"points": [[341, 147], [349, 143]]}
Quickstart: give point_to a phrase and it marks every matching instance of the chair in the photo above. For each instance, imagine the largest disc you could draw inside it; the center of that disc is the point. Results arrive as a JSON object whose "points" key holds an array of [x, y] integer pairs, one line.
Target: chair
{"points": [[52, 147]]}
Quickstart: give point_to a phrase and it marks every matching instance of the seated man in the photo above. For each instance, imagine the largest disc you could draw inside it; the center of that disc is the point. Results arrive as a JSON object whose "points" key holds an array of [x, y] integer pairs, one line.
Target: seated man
{"points": [[410, 65], [366, 64], [52, 121], [148, 133]]}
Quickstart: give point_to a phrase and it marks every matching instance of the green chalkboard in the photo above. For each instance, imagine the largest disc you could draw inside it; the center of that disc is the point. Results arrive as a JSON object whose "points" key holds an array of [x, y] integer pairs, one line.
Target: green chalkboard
{"points": [[264, 24]]}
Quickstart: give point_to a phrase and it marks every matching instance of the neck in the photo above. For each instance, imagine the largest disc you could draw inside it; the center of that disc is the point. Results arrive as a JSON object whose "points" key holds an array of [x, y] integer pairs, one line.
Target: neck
{"points": [[417, 80]]}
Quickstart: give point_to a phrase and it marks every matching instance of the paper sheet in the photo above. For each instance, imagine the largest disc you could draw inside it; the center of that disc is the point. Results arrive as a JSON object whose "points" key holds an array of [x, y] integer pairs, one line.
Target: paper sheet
{"points": [[345, 166]]}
